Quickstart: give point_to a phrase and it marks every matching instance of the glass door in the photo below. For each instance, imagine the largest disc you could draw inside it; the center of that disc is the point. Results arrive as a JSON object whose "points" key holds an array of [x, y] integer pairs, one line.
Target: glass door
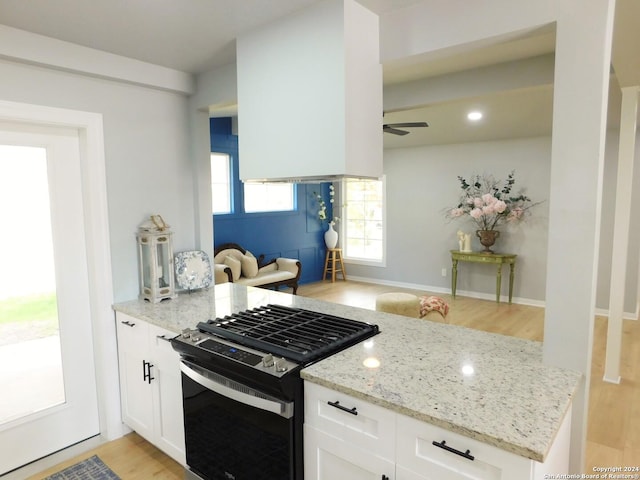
{"points": [[30, 361], [47, 371]]}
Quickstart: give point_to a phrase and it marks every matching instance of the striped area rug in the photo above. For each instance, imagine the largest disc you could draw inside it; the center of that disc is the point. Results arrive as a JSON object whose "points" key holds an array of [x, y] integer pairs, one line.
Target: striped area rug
{"points": [[90, 469]]}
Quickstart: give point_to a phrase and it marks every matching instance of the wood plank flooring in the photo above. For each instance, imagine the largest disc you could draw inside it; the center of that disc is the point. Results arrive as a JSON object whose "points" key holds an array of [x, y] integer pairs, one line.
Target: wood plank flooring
{"points": [[131, 458], [613, 437]]}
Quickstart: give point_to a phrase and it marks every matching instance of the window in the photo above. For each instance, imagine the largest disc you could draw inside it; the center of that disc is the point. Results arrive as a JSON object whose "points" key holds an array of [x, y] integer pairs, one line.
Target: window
{"points": [[363, 225], [268, 197], [220, 183]]}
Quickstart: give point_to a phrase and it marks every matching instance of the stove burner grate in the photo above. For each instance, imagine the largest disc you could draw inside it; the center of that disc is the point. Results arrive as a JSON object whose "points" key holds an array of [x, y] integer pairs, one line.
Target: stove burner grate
{"points": [[298, 334]]}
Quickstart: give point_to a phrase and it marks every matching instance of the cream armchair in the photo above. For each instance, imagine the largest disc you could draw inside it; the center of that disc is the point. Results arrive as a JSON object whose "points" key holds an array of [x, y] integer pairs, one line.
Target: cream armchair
{"points": [[233, 263]]}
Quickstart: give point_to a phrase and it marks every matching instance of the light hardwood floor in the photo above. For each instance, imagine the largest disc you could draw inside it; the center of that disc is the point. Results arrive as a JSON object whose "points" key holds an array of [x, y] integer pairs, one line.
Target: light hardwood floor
{"points": [[613, 437], [131, 458]]}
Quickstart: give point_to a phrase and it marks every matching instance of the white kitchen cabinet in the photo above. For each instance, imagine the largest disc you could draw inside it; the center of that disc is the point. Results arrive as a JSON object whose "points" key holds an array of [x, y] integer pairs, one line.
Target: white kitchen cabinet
{"points": [[419, 459], [377, 443], [346, 438], [150, 384], [355, 421], [416, 453], [329, 458]]}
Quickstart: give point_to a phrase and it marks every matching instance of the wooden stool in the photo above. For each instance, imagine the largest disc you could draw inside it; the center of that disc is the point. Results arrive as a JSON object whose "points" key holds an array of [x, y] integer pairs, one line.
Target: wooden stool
{"points": [[334, 255]]}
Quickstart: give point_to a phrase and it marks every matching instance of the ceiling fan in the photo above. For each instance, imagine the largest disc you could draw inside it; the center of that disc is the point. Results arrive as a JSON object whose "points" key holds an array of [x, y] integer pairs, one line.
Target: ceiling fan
{"points": [[391, 127]]}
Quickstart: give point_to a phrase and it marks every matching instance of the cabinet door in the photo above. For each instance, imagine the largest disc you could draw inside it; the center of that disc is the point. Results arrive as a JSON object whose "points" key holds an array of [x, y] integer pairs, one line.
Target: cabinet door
{"points": [[168, 394], [405, 474], [329, 458], [136, 392]]}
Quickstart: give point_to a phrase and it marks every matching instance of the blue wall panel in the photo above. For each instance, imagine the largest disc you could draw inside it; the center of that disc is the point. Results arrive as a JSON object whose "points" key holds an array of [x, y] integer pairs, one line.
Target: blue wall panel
{"points": [[297, 234]]}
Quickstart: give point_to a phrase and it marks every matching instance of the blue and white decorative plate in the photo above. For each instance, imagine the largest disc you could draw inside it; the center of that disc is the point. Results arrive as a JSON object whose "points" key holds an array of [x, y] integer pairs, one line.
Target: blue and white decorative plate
{"points": [[193, 270]]}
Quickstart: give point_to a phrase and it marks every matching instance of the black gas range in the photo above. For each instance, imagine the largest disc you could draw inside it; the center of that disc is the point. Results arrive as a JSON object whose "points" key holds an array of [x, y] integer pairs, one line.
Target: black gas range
{"points": [[242, 388]]}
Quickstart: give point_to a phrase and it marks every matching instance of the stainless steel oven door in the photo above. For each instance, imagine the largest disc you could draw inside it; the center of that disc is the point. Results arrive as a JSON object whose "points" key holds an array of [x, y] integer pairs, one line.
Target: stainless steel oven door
{"points": [[233, 432]]}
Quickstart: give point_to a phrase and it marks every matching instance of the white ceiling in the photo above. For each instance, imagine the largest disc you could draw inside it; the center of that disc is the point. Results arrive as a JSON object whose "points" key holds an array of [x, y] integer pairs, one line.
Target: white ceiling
{"points": [[198, 35], [189, 35]]}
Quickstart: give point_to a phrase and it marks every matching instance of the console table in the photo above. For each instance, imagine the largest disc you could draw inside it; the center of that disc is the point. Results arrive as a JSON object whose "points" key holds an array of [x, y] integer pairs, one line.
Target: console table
{"points": [[479, 257]]}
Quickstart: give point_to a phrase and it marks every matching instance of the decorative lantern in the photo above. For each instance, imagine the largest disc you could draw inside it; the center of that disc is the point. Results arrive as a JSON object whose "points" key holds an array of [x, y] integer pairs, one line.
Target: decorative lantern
{"points": [[155, 260]]}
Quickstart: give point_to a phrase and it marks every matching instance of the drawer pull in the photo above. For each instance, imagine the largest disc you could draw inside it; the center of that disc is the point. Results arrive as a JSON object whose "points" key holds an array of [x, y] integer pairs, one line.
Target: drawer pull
{"points": [[443, 445], [162, 337], [128, 323], [337, 405]]}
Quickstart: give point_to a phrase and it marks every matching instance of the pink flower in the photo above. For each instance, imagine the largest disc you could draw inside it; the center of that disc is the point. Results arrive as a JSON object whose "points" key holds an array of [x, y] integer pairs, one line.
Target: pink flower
{"points": [[477, 202], [500, 206], [515, 214], [488, 199], [488, 210], [476, 213], [457, 212]]}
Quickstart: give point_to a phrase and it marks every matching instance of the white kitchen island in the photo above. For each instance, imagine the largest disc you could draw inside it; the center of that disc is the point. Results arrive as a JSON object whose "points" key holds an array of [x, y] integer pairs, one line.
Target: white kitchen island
{"points": [[491, 389]]}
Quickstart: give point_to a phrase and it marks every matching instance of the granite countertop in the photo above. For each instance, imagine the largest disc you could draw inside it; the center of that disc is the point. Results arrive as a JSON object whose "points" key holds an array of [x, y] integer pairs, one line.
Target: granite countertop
{"points": [[489, 387]]}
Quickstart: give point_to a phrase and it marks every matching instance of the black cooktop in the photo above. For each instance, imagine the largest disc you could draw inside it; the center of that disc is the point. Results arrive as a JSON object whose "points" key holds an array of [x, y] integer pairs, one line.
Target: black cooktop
{"points": [[298, 334]]}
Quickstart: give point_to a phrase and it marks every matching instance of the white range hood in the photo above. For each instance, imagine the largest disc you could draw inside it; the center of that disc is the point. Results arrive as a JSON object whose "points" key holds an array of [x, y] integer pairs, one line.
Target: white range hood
{"points": [[310, 96]]}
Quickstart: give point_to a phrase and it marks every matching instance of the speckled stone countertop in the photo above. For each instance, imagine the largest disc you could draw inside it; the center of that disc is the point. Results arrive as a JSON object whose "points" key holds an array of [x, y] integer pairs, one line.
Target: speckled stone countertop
{"points": [[489, 387]]}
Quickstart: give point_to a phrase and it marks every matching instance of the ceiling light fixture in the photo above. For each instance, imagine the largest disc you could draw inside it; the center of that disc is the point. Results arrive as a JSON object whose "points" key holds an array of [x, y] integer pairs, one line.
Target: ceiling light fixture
{"points": [[474, 116]]}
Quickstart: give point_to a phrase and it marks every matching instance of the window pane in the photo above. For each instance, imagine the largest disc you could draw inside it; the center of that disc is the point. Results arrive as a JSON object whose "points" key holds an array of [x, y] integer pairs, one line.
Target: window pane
{"points": [[220, 183], [268, 197], [364, 222], [31, 371]]}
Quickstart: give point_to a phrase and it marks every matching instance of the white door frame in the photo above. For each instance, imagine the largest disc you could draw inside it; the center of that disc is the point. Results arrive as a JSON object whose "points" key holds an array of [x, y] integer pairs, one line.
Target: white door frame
{"points": [[94, 192]]}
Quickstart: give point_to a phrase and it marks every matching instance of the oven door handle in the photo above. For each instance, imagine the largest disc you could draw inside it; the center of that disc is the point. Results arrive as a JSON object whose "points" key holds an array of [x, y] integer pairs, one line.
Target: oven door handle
{"points": [[198, 375]]}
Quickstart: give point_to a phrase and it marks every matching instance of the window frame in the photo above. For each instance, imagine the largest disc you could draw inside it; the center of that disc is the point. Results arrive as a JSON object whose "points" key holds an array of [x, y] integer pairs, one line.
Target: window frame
{"points": [[344, 220], [294, 203], [230, 170]]}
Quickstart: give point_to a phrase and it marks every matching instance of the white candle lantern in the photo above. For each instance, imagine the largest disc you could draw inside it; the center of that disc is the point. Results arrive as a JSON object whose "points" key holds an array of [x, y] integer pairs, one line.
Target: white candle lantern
{"points": [[155, 260]]}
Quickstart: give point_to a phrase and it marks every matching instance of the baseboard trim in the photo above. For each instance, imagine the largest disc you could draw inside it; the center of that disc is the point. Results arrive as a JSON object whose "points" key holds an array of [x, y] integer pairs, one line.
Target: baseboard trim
{"points": [[463, 293]]}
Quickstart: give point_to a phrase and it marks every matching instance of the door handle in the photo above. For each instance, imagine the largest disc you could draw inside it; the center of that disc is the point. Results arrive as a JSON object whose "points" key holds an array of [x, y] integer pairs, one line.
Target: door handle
{"points": [[336, 404], [238, 393], [446, 447], [146, 371]]}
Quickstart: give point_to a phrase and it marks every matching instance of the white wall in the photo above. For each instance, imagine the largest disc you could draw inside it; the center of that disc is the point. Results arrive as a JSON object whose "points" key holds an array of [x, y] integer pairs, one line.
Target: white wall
{"points": [[216, 88], [422, 184], [148, 164]]}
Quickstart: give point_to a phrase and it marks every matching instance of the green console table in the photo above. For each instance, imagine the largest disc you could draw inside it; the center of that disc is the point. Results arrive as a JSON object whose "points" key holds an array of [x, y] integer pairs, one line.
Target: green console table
{"points": [[479, 257]]}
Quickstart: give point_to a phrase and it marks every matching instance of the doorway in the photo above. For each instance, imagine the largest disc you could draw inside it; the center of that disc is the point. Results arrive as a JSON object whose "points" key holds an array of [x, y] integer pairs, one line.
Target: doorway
{"points": [[47, 363]]}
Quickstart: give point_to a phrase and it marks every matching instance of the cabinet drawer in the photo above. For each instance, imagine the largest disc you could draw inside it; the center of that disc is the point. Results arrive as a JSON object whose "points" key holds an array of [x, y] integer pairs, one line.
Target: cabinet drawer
{"points": [[370, 427], [416, 452]]}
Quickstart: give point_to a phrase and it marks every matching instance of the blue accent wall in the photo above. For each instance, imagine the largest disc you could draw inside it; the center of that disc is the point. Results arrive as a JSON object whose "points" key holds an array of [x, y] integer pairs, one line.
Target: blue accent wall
{"points": [[295, 234]]}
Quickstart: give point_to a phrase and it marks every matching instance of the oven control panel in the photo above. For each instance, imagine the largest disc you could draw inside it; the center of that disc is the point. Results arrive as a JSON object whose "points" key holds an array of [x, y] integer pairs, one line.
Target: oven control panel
{"points": [[231, 352], [265, 362]]}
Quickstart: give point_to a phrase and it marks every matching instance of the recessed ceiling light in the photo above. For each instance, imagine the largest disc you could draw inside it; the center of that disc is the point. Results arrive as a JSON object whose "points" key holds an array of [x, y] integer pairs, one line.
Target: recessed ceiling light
{"points": [[474, 116]]}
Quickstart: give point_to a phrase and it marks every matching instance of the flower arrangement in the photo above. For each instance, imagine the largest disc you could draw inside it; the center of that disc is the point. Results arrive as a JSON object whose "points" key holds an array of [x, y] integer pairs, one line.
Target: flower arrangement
{"points": [[490, 203], [322, 210]]}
